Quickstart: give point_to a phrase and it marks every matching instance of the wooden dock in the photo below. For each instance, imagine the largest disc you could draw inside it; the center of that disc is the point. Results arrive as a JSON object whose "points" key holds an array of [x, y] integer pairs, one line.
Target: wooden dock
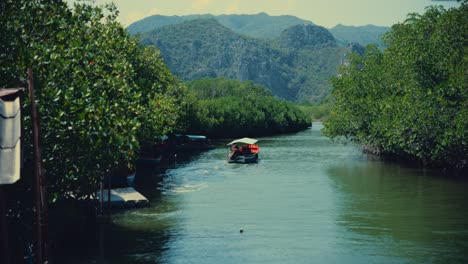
{"points": [[123, 198]]}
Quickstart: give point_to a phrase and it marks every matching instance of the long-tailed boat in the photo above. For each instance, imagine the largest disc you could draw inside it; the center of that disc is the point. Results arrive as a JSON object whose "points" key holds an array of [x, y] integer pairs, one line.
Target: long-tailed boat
{"points": [[243, 150]]}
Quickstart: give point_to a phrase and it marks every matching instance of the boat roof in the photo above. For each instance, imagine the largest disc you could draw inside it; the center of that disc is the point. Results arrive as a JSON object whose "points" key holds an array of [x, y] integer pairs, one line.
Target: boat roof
{"points": [[194, 137], [191, 136], [244, 141], [9, 91]]}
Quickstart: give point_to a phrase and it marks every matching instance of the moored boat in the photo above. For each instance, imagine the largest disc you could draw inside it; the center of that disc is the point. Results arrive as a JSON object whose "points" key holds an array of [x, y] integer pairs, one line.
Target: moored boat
{"points": [[150, 154], [246, 153]]}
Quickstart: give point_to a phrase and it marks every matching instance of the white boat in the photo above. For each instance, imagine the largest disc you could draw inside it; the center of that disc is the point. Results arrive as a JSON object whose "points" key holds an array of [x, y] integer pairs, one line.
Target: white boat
{"points": [[246, 153]]}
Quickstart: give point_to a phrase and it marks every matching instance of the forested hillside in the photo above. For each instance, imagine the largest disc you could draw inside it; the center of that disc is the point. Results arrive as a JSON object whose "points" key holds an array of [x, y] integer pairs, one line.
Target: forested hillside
{"points": [[288, 55], [313, 57], [295, 66], [204, 48]]}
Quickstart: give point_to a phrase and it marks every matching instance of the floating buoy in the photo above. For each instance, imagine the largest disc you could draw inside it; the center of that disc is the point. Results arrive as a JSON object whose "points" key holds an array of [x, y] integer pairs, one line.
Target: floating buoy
{"points": [[241, 231]]}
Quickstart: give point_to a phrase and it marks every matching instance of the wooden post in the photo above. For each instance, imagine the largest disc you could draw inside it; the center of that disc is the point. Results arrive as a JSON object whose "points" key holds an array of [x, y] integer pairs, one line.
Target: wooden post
{"points": [[101, 200], [41, 208], [109, 180]]}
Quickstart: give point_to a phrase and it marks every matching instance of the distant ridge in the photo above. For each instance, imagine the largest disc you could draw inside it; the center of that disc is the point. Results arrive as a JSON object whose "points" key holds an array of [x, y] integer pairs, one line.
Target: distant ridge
{"points": [[264, 26], [363, 35], [259, 25]]}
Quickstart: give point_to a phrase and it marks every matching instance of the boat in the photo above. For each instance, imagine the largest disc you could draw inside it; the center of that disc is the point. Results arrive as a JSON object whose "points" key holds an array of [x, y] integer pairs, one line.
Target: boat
{"points": [[150, 154], [189, 143], [148, 160], [246, 153], [170, 146], [185, 143]]}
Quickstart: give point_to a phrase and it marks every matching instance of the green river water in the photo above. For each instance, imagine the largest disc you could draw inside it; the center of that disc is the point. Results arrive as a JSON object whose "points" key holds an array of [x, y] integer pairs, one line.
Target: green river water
{"points": [[308, 200]]}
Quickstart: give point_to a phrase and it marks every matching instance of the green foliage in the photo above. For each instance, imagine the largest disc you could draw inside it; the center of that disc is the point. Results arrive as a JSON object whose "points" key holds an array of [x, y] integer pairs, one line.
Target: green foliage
{"points": [[100, 93], [410, 100], [317, 111], [230, 108]]}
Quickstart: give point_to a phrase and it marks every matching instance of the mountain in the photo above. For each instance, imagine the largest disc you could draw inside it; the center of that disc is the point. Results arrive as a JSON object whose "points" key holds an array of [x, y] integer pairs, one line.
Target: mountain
{"points": [[295, 66], [313, 57], [153, 22], [301, 36], [363, 35], [204, 48], [259, 25], [291, 56]]}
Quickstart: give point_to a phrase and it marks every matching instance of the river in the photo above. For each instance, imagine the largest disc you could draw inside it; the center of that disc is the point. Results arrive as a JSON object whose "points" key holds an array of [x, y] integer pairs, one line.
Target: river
{"points": [[308, 200]]}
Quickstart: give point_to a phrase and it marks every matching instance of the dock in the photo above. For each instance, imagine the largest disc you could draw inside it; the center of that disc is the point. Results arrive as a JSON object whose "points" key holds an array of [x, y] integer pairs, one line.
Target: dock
{"points": [[123, 198]]}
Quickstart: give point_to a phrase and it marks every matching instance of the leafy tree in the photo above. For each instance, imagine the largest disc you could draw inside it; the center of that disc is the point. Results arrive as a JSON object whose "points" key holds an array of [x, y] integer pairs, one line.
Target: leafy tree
{"points": [[410, 100], [100, 93], [317, 111], [231, 108]]}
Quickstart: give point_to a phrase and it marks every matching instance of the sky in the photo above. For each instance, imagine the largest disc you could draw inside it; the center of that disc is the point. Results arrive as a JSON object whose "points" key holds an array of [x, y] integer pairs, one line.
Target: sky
{"points": [[327, 13]]}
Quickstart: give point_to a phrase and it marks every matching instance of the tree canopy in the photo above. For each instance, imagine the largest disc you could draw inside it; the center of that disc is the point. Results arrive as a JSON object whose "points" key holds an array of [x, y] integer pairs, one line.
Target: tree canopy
{"points": [[100, 93], [231, 108], [411, 100]]}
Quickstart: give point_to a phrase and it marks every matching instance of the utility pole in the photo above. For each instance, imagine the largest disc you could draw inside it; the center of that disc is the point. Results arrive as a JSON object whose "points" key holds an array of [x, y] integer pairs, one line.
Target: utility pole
{"points": [[41, 201], [4, 250]]}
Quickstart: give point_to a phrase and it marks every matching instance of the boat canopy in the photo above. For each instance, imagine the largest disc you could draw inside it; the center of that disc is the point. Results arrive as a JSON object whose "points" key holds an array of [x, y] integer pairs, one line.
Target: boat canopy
{"points": [[192, 137], [244, 141], [196, 137]]}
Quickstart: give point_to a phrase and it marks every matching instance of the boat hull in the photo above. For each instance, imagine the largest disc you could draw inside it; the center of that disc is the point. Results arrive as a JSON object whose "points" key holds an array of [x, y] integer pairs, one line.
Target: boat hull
{"points": [[148, 161], [244, 159]]}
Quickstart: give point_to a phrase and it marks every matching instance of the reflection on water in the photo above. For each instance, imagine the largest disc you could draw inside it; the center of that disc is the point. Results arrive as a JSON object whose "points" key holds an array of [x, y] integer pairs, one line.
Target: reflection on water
{"points": [[308, 200], [411, 213]]}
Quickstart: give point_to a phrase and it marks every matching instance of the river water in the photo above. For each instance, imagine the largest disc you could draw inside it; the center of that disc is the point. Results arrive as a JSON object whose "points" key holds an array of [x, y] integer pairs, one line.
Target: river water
{"points": [[308, 200]]}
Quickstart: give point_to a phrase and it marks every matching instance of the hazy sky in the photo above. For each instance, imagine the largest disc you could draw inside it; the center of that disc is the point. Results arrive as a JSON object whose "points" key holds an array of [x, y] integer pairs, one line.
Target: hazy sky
{"points": [[326, 13]]}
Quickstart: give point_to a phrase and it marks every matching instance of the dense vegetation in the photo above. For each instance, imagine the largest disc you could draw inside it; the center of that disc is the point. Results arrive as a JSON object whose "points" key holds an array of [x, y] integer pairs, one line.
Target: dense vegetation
{"points": [[231, 108], [410, 100], [295, 66], [100, 92], [317, 112]]}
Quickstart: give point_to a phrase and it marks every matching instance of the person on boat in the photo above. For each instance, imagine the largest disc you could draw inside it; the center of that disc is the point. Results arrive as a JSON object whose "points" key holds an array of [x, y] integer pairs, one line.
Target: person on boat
{"points": [[234, 152], [245, 150]]}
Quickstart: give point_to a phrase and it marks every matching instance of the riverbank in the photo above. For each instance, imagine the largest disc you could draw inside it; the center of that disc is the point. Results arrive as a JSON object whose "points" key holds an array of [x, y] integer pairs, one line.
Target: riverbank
{"points": [[458, 170]]}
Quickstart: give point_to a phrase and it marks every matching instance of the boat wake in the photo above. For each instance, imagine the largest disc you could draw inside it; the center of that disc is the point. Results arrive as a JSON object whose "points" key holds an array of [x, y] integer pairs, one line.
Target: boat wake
{"points": [[190, 188]]}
